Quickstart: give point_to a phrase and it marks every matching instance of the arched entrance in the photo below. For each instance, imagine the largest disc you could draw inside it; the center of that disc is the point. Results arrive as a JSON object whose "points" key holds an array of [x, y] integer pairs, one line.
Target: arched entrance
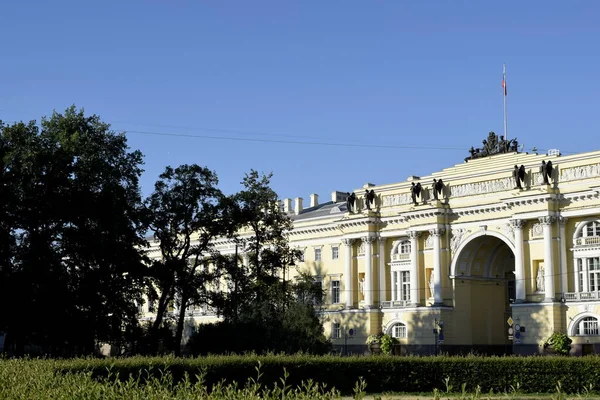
{"points": [[484, 287]]}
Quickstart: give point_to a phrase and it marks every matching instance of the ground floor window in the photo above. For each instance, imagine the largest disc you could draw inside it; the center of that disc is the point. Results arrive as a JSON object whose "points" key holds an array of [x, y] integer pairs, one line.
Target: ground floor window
{"points": [[398, 330], [588, 326], [336, 331]]}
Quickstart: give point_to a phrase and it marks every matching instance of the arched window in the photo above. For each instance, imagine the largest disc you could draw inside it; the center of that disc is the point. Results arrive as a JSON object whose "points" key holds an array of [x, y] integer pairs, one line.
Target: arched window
{"points": [[398, 330], [587, 326]]}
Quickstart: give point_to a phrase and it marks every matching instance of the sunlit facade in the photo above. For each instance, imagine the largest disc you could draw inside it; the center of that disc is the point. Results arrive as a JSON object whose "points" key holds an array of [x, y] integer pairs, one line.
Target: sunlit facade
{"points": [[450, 273]]}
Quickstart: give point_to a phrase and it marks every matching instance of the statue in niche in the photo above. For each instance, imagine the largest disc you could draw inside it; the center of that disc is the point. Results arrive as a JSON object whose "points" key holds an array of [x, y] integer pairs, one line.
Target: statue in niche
{"points": [[437, 187], [519, 175], [431, 284], [546, 171], [539, 280], [369, 198], [415, 191], [361, 286], [350, 202]]}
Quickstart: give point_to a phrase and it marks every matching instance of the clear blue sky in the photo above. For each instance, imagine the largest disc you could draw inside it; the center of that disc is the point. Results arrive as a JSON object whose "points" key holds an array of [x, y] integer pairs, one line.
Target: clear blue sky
{"points": [[382, 73]]}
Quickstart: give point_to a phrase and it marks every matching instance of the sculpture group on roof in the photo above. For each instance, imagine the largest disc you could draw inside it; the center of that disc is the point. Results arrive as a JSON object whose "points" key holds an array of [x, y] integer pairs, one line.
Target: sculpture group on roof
{"points": [[493, 145]]}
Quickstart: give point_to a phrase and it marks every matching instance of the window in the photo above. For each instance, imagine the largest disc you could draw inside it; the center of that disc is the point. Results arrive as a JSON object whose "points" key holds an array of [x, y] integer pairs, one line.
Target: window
{"points": [[335, 253], [400, 285], [301, 258], [405, 247], [592, 229], [398, 330], [593, 265], [317, 254], [587, 326], [335, 292], [581, 272], [336, 330]]}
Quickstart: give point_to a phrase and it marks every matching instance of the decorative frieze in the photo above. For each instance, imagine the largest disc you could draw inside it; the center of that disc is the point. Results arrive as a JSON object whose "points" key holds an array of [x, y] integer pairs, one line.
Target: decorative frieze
{"points": [[583, 172]]}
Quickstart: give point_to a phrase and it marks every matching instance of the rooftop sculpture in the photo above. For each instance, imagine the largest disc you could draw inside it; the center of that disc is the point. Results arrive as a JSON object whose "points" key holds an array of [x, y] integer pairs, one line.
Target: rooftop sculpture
{"points": [[493, 145]]}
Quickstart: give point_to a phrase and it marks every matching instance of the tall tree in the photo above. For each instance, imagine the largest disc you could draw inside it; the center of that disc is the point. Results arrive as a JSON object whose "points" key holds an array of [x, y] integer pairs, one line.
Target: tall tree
{"points": [[187, 212], [271, 309], [76, 229]]}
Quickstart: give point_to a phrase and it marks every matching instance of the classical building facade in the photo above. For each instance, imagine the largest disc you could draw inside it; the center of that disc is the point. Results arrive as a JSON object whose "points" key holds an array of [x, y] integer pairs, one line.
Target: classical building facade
{"points": [[495, 255]]}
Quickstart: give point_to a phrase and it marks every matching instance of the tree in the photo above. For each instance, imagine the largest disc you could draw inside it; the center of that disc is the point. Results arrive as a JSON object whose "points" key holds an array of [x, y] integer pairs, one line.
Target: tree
{"points": [[71, 268], [274, 312], [187, 212]]}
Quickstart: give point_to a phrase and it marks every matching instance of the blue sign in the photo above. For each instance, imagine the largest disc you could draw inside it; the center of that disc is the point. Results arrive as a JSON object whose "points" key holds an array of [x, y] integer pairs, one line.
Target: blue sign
{"points": [[441, 337], [517, 335]]}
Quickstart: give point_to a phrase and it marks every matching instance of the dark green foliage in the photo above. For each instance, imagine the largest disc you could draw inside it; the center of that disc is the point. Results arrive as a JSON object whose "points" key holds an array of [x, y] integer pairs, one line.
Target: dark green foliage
{"points": [[270, 311], [71, 226], [186, 212], [382, 374]]}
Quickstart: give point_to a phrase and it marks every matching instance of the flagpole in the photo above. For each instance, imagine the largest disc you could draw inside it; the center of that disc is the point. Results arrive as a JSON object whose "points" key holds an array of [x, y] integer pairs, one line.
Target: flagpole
{"points": [[504, 96]]}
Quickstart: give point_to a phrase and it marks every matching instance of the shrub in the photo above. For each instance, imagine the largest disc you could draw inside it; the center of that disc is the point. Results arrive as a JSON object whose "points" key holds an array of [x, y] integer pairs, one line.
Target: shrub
{"points": [[381, 374]]}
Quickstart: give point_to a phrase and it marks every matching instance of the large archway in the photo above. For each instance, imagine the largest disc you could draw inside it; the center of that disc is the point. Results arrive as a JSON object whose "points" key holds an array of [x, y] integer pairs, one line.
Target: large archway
{"points": [[484, 287]]}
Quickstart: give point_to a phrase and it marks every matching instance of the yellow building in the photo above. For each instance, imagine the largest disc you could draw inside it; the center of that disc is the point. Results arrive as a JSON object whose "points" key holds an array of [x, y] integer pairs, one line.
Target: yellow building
{"points": [[450, 273]]}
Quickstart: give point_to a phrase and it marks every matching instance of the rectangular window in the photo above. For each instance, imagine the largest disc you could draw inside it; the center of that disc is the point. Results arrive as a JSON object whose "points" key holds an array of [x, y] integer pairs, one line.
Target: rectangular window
{"points": [[317, 254], [580, 272], [593, 265], [590, 326], [336, 330], [335, 292], [405, 288], [335, 253]]}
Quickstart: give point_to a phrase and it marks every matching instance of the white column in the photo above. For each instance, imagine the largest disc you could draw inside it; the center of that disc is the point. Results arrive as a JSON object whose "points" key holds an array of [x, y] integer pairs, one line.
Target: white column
{"points": [[437, 266], [348, 273], [382, 275], [564, 278], [368, 288], [520, 294], [414, 266], [548, 261]]}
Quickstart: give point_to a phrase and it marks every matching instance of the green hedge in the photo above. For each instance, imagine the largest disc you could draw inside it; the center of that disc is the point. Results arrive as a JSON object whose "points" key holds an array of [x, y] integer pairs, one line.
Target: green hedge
{"points": [[382, 374]]}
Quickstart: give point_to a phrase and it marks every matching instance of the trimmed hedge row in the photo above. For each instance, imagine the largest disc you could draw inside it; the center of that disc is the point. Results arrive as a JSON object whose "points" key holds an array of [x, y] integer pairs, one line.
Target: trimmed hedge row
{"points": [[382, 374]]}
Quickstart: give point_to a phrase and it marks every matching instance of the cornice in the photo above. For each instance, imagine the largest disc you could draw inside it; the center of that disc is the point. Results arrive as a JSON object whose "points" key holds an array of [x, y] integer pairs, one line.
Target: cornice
{"points": [[593, 193], [357, 222], [541, 198], [479, 209]]}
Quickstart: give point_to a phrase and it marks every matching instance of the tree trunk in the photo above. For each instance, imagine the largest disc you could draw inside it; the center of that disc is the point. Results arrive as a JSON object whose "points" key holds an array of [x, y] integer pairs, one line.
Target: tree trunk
{"points": [[163, 303], [180, 321]]}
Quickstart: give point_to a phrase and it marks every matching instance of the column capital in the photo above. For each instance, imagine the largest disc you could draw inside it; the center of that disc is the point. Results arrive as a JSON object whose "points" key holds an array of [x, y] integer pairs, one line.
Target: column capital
{"points": [[562, 220], [368, 239], [547, 219], [437, 232], [517, 223], [413, 234], [347, 241]]}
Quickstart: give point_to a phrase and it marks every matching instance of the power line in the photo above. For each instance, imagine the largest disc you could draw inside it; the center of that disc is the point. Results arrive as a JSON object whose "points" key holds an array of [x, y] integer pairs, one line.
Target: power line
{"points": [[363, 145], [258, 140]]}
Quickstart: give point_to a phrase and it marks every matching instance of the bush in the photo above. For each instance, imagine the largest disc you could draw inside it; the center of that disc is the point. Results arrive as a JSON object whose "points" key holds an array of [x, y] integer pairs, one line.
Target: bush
{"points": [[382, 374]]}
